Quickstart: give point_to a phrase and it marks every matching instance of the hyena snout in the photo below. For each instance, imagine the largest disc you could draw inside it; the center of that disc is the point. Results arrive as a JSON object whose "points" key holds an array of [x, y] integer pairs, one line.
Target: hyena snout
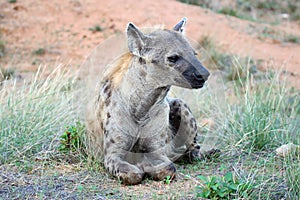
{"points": [[196, 76]]}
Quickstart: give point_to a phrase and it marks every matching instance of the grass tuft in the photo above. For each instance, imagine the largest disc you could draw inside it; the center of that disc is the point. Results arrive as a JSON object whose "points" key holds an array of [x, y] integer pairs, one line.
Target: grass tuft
{"points": [[264, 116], [33, 115], [292, 166], [292, 39], [96, 28], [6, 74], [39, 51]]}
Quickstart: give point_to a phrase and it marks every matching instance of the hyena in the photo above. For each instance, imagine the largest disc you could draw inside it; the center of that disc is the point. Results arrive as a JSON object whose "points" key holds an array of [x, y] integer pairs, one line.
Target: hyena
{"points": [[138, 130]]}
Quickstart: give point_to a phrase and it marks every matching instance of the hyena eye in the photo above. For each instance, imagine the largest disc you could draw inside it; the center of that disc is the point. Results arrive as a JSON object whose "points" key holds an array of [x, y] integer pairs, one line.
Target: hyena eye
{"points": [[173, 58]]}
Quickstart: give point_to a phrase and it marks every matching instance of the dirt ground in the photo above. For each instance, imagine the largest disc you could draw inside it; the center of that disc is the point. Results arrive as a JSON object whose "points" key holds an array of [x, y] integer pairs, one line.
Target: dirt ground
{"points": [[52, 32]]}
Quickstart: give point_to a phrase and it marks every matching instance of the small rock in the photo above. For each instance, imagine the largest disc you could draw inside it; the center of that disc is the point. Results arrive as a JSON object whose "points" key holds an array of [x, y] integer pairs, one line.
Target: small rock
{"points": [[287, 149], [285, 16]]}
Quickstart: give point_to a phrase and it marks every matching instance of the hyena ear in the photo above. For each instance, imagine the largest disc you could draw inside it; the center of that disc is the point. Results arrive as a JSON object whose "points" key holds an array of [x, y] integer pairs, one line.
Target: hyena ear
{"points": [[135, 39], [180, 26]]}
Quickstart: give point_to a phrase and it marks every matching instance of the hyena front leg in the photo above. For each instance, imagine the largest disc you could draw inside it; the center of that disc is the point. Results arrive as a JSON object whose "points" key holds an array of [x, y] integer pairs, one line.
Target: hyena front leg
{"points": [[116, 158]]}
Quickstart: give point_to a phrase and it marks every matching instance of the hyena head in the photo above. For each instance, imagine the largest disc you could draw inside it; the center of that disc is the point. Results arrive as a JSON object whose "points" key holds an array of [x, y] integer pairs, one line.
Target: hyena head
{"points": [[168, 56]]}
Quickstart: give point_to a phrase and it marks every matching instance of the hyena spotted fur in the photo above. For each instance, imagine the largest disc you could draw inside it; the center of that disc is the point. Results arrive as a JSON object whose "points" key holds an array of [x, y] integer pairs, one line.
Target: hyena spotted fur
{"points": [[138, 131]]}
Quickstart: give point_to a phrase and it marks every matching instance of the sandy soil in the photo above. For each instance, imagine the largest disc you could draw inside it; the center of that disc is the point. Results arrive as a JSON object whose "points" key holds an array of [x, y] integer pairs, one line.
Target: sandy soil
{"points": [[63, 30]]}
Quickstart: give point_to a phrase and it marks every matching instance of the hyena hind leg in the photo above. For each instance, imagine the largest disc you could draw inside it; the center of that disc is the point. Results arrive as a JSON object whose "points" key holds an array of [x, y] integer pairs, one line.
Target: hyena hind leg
{"points": [[184, 132]]}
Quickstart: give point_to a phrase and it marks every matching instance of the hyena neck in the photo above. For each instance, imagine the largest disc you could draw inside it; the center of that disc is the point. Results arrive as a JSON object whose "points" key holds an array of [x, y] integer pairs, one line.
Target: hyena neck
{"points": [[141, 102], [142, 93]]}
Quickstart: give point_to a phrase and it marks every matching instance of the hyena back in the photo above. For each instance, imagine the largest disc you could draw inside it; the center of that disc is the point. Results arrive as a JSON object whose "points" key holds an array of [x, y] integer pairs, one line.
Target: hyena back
{"points": [[139, 130]]}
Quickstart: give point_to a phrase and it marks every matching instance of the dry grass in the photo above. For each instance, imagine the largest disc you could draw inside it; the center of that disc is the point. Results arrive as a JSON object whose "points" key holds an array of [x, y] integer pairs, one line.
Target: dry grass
{"points": [[34, 114]]}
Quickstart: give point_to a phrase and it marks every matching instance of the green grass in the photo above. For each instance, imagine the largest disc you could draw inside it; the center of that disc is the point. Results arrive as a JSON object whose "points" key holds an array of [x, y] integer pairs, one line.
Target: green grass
{"points": [[264, 116], [292, 172], [226, 187], [257, 114], [34, 115], [71, 139]]}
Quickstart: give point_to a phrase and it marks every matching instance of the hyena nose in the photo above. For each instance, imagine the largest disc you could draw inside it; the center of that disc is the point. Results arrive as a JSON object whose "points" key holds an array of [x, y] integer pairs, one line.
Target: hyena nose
{"points": [[203, 74], [198, 76]]}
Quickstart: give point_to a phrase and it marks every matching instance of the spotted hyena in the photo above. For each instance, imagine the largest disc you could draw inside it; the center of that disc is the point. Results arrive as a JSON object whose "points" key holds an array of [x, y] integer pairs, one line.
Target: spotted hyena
{"points": [[138, 130]]}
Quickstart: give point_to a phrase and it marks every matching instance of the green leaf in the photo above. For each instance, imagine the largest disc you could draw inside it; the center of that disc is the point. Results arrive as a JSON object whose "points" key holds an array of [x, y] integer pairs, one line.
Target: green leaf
{"points": [[213, 179], [228, 176], [233, 187], [203, 178], [215, 187], [206, 193], [220, 193]]}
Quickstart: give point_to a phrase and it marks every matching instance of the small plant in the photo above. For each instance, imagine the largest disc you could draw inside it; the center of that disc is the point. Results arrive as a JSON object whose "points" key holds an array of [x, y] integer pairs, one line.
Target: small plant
{"points": [[193, 2], [12, 1], [226, 187], [39, 51], [228, 11], [71, 139], [168, 180], [292, 39], [96, 28]]}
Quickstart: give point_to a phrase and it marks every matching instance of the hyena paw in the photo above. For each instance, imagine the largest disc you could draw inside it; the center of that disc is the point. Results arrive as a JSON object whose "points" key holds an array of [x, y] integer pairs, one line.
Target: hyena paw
{"points": [[158, 167], [162, 173], [129, 174]]}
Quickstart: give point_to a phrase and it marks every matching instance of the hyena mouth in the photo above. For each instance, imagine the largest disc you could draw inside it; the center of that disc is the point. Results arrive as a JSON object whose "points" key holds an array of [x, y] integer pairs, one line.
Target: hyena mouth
{"points": [[195, 80]]}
